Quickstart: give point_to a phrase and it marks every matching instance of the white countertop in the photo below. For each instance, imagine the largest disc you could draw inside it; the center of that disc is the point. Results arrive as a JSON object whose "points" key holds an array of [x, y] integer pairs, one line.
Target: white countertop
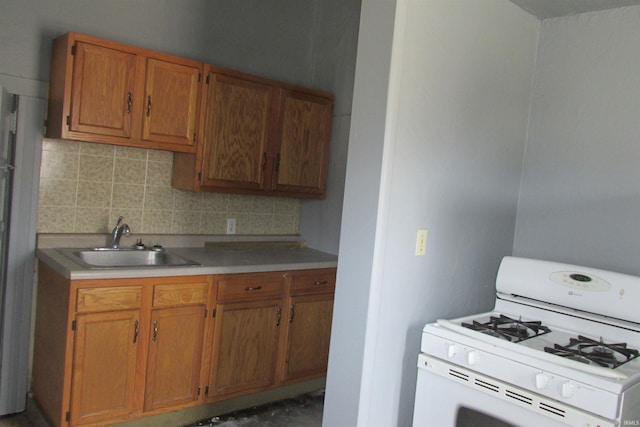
{"points": [[219, 259]]}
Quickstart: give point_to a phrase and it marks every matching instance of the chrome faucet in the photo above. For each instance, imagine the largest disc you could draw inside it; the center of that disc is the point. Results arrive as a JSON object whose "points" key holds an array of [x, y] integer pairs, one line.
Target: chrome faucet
{"points": [[117, 232]]}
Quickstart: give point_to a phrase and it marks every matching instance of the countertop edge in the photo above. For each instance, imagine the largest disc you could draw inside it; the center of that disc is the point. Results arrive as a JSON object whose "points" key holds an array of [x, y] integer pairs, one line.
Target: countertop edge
{"points": [[242, 263]]}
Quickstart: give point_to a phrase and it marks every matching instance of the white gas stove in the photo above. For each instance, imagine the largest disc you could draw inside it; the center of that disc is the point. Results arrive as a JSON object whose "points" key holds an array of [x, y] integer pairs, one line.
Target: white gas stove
{"points": [[561, 347]]}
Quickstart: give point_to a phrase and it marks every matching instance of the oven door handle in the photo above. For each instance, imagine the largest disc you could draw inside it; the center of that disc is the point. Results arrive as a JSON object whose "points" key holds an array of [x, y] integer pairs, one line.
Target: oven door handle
{"points": [[597, 370]]}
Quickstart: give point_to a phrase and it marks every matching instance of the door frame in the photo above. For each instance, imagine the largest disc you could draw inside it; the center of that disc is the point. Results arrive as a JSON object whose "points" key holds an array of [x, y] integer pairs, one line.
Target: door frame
{"points": [[16, 322]]}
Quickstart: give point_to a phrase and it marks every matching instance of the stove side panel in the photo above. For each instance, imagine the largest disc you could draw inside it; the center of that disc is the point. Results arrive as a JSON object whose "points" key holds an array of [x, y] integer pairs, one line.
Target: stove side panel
{"points": [[630, 406]]}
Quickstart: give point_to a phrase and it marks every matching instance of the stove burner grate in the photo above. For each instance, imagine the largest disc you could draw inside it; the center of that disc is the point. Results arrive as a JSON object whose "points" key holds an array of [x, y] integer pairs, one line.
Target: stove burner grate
{"points": [[507, 328], [587, 350]]}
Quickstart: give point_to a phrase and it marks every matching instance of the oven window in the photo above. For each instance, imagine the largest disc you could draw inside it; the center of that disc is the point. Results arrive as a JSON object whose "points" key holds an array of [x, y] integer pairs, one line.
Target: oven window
{"points": [[467, 417]]}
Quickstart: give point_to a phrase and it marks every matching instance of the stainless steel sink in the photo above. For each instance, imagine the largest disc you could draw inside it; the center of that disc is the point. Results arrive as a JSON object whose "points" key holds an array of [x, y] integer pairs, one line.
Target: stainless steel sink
{"points": [[125, 258]]}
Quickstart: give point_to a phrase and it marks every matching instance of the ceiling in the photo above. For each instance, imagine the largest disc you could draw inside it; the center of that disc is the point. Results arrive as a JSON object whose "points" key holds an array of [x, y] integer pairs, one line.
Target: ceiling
{"points": [[544, 9]]}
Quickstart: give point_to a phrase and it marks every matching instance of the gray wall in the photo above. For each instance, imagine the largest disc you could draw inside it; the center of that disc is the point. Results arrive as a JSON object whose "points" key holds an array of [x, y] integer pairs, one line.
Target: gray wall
{"points": [[273, 39], [27, 28], [440, 112], [360, 214], [580, 199], [333, 67], [308, 42]]}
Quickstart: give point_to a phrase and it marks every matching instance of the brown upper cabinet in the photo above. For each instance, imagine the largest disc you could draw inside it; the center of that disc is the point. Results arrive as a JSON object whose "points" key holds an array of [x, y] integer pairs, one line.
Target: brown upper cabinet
{"points": [[259, 137], [302, 141], [231, 131], [238, 123], [102, 91]]}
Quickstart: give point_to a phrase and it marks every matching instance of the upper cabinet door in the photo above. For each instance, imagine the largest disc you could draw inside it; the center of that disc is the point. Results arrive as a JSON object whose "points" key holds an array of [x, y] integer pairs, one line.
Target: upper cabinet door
{"points": [[236, 133], [305, 134], [102, 90], [107, 92], [170, 102]]}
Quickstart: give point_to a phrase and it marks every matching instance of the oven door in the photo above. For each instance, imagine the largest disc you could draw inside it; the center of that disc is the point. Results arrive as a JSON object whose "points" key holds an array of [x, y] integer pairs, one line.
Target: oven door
{"points": [[450, 395]]}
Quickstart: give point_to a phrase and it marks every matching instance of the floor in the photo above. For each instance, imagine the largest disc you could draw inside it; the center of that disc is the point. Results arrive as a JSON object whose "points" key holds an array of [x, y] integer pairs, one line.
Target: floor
{"points": [[301, 411], [19, 420]]}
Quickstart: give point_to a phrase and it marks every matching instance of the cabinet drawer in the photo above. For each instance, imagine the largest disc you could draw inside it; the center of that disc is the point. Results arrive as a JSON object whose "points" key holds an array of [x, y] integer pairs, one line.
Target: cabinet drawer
{"points": [[312, 281], [180, 294], [250, 286], [108, 298]]}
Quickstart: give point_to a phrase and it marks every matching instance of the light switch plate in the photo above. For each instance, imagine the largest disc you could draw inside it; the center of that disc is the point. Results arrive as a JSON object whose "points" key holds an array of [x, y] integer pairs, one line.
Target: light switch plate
{"points": [[421, 242]]}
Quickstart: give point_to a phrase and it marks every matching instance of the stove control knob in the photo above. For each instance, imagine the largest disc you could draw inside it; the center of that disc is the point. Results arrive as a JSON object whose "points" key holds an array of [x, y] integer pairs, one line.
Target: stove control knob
{"points": [[451, 350], [566, 389], [541, 381], [473, 357]]}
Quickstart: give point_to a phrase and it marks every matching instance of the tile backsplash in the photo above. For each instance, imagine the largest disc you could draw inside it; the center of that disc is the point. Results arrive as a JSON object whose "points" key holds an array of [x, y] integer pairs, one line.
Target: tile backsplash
{"points": [[84, 187]]}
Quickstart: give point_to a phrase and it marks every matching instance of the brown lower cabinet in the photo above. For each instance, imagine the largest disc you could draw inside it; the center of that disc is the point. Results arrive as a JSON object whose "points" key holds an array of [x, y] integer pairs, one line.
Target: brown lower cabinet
{"points": [[112, 350], [305, 349], [106, 340], [175, 355]]}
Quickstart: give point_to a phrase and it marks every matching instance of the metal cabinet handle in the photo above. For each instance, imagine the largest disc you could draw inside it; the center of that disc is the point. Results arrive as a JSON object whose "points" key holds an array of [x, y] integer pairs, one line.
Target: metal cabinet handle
{"points": [[279, 316], [155, 330], [320, 282], [136, 331], [129, 102], [292, 313], [253, 288], [148, 105]]}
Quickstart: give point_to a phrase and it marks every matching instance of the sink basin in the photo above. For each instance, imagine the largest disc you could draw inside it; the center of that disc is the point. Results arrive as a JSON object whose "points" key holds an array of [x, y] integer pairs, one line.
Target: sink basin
{"points": [[125, 258]]}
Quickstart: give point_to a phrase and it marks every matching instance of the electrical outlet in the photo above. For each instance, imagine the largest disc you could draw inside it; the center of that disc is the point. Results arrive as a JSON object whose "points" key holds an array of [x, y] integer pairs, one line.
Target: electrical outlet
{"points": [[421, 242], [231, 226]]}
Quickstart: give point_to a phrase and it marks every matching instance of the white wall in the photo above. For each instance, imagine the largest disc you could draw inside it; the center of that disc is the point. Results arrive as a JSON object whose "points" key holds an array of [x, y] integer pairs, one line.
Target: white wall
{"points": [[580, 198], [437, 138]]}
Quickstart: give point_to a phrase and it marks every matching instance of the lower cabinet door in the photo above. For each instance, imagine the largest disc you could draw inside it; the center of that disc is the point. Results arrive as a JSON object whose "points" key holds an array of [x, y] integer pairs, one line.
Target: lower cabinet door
{"points": [[104, 366], [245, 346], [308, 335], [175, 355]]}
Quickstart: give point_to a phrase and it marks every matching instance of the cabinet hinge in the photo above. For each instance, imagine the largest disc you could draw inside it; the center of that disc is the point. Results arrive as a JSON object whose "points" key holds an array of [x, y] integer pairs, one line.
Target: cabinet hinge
{"points": [[68, 120], [208, 78], [67, 416], [14, 105], [73, 49], [73, 325], [214, 313], [200, 180], [13, 119], [206, 390], [194, 137], [199, 77], [205, 313]]}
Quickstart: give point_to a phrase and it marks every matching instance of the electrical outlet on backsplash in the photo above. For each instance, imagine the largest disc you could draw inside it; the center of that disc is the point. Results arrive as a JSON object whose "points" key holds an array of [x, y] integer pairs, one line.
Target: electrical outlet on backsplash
{"points": [[85, 187]]}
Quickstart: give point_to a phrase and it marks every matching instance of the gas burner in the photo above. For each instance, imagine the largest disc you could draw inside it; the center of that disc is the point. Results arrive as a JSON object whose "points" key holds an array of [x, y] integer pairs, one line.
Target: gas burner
{"points": [[507, 328], [587, 350]]}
